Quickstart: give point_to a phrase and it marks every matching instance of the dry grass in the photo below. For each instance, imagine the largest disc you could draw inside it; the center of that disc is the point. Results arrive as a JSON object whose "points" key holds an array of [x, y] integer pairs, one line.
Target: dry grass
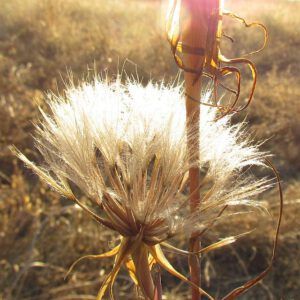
{"points": [[40, 236]]}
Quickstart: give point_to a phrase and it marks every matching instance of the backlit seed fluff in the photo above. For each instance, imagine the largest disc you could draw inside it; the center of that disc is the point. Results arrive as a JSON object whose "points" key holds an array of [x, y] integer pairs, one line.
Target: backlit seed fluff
{"points": [[124, 146]]}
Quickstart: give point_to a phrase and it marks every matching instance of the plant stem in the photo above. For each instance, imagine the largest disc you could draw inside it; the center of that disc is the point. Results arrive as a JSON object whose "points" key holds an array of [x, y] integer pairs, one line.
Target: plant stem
{"points": [[193, 117], [158, 287], [143, 272], [194, 31]]}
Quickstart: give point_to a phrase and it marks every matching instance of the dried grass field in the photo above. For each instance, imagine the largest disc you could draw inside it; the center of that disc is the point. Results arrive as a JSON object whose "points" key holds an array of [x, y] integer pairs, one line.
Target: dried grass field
{"points": [[41, 234]]}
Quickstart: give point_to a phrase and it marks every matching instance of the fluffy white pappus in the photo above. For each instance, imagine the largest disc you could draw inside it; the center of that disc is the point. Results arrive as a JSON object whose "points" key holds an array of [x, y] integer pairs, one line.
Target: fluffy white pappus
{"points": [[125, 147]]}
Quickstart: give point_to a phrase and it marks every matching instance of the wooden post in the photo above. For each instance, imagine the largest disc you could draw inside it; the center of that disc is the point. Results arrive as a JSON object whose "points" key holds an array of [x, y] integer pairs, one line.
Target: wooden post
{"points": [[194, 32]]}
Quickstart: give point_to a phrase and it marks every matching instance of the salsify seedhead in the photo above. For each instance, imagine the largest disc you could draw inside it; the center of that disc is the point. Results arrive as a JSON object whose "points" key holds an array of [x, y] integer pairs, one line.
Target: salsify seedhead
{"points": [[125, 147]]}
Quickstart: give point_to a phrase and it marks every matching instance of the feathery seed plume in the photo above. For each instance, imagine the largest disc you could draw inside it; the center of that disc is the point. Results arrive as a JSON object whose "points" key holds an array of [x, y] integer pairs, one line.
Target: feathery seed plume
{"points": [[125, 147]]}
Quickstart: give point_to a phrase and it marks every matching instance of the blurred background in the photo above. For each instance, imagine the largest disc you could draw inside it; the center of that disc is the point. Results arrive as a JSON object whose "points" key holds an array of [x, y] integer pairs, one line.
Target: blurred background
{"points": [[41, 234]]}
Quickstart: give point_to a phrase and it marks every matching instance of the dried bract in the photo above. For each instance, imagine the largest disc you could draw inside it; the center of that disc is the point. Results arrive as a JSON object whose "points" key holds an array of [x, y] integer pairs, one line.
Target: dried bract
{"points": [[210, 14]]}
